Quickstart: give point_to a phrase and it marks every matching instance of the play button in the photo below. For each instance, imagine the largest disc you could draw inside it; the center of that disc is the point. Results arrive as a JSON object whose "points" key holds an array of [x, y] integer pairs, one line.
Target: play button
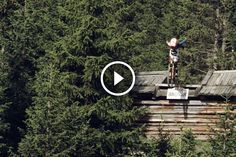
{"points": [[117, 78]]}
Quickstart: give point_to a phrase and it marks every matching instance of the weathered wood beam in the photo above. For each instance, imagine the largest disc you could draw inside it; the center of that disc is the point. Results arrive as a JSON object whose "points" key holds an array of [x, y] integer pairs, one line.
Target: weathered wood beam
{"points": [[152, 73], [184, 86]]}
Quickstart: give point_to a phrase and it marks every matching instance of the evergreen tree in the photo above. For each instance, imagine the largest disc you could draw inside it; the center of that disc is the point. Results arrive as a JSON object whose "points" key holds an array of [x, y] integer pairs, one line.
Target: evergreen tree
{"points": [[12, 84], [4, 126], [56, 126], [224, 40], [152, 50], [233, 31], [103, 125], [185, 146], [223, 142], [24, 39]]}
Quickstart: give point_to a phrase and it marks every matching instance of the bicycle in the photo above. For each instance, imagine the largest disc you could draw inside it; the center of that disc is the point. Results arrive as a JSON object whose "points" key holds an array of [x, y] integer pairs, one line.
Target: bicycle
{"points": [[172, 68]]}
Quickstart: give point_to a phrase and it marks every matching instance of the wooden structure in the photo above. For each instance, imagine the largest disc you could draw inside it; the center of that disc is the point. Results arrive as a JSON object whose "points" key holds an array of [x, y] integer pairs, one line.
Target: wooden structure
{"points": [[199, 113]]}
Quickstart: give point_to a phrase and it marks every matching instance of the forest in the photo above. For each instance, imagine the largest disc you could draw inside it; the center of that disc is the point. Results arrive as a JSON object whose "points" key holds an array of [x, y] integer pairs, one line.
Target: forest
{"points": [[51, 56]]}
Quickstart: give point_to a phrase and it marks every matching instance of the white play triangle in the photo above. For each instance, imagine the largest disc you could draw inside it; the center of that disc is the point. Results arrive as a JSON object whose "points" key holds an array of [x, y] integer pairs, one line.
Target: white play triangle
{"points": [[117, 78]]}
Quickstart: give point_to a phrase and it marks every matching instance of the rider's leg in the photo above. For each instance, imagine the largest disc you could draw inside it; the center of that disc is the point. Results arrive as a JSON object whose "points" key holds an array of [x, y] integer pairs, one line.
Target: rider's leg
{"points": [[176, 70]]}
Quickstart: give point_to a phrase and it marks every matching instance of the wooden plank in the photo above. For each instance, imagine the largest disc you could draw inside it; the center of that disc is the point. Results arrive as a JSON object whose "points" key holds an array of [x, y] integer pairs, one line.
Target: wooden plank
{"points": [[219, 79], [152, 73], [159, 120], [216, 90], [144, 89], [213, 79], [207, 77], [158, 80], [189, 107], [207, 130], [179, 109], [151, 79], [225, 71], [143, 80], [234, 82], [184, 86], [233, 92], [174, 120], [200, 112], [178, 128], [196, 129], [181, 116], [177, 102], [199, 137], [173, 102], [173, 116], [177, 124], [227, 80], [179, 132], [164, 108], [226, 91]]}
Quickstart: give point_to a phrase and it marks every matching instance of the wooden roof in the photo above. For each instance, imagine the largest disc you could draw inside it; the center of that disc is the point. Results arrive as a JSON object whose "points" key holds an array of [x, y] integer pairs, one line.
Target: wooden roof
{"points": [[221, 83], [145, 82], [215, 83]]}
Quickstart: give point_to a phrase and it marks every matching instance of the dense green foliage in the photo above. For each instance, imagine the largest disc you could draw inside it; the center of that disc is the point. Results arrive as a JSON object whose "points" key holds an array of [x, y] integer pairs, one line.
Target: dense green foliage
{"points": [[223, 144], [51, 56]]}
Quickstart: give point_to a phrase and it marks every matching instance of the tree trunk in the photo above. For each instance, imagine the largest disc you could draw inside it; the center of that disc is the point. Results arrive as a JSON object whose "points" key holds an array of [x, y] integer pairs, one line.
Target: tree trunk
{"points": [[217, 36], [224, 35]]}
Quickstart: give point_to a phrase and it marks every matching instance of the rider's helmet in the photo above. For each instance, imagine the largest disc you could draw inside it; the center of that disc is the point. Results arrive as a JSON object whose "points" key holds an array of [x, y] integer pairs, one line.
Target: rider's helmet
{"points": [[172, 43]]}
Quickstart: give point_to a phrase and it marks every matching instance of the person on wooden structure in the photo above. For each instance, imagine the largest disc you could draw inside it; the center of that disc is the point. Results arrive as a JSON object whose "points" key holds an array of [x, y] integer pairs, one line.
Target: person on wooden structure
{"points": [[174, 44]]}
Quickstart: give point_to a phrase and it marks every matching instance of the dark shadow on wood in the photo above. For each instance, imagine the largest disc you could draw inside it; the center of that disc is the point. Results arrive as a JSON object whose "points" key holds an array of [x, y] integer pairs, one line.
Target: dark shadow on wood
{"points": [[185, 109]]}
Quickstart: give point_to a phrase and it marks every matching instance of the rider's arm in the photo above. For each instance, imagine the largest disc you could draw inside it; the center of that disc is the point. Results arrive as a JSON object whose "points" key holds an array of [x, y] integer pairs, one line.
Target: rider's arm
{"points": [[182, 42]]}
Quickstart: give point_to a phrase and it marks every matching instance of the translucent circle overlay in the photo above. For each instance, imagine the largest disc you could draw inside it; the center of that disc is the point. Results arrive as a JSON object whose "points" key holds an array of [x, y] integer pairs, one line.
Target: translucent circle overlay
{"points": [[102, 78]]}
